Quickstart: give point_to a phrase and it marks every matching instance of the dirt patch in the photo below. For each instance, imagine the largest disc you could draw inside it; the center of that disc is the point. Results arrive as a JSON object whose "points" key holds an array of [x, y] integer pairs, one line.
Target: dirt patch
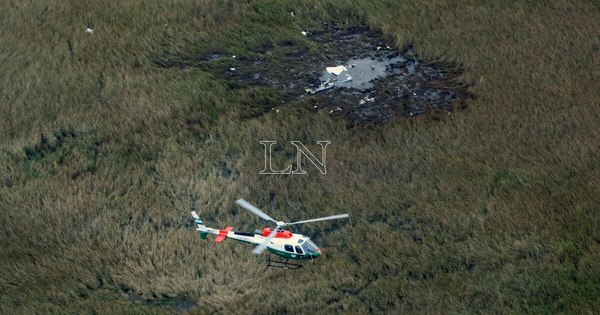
{"points": [[378, 82]]}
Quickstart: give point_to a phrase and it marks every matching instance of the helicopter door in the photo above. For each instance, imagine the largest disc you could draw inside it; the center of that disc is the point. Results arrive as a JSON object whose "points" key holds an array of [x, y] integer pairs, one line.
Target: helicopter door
{"points": [[299, 250]]}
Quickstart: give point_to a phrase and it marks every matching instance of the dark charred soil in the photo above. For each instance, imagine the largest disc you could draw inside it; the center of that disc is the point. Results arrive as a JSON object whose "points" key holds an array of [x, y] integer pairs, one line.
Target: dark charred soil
{"points": [[378, 82]]}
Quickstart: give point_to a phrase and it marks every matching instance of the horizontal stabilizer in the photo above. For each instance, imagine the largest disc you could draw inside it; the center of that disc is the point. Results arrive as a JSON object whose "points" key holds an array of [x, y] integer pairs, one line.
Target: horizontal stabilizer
{"points": [[200, 225]]}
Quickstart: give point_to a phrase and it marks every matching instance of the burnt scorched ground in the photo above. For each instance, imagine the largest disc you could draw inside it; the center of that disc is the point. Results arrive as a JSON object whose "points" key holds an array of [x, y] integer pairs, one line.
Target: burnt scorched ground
{"points": [[380, 82]]}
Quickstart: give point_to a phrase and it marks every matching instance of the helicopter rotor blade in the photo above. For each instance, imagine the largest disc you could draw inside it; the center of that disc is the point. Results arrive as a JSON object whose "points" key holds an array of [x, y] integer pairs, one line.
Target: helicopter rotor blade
{"points": [[332, 217], [261, 248], [245, 204]]}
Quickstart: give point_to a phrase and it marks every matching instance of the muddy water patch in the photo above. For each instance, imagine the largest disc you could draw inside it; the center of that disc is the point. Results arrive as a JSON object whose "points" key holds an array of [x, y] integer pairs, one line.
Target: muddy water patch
{"points": [[357, 73], [368, 80], [171, 302]]}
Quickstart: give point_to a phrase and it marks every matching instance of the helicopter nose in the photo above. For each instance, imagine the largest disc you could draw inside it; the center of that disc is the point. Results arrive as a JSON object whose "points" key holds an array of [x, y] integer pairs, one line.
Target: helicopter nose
{"points": [[318, 253]]}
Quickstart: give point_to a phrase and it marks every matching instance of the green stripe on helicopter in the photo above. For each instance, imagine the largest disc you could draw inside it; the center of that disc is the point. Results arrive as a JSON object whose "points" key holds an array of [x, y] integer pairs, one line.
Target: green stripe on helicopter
{"points": [[290, 255]]}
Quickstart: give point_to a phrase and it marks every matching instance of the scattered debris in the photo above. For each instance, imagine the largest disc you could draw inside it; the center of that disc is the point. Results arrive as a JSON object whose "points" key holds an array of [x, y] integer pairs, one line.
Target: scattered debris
{"points": [[379, 83], [335, 110], [366, 99]]}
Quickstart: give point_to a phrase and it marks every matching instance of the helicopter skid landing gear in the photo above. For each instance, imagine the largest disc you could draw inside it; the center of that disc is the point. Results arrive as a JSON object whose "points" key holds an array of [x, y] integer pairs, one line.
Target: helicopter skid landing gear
{"points": [[285, 264]]}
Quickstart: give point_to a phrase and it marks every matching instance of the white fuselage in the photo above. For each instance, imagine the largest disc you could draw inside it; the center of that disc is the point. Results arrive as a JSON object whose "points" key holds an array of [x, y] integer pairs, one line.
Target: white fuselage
{"points": [[286, 244]]}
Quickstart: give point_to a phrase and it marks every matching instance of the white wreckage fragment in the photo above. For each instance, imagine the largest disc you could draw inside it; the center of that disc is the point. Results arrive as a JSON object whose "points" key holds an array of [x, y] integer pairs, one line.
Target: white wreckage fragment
{"points": [[336, 70], [322, 87], [348, 78], [337, 109], [366, 99]]}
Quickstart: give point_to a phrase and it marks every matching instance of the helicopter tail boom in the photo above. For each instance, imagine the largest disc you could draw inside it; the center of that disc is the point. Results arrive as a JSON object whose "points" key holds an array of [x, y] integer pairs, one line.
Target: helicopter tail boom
{"points": [[204, 231]]}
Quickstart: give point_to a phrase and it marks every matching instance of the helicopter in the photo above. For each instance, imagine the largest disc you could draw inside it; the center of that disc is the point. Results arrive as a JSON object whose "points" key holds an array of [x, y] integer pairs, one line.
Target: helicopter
{"points": [[279, 242]]}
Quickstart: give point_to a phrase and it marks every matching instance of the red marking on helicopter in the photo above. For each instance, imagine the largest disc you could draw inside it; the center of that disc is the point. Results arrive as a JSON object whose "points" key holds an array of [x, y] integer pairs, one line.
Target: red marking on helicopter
{"points": [[223, 234], [280, 234]]}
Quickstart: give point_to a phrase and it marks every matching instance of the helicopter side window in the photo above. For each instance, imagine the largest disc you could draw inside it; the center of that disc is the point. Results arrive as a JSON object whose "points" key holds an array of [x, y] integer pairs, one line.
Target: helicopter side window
{"points": [[299, 249], [289, 248]]}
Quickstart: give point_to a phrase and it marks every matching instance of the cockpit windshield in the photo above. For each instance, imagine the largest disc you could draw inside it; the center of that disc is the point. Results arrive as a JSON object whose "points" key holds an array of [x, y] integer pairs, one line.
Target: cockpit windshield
{"points": [[309, 247]]}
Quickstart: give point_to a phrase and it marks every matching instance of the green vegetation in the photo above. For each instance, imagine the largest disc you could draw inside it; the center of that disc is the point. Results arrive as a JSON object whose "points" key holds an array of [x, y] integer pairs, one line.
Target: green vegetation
{"points": [[103, 153]]}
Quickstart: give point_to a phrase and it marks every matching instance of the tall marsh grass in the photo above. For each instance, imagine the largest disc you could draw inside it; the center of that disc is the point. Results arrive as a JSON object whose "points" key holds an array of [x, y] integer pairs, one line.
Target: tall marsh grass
{"points": [[103, 154]]}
